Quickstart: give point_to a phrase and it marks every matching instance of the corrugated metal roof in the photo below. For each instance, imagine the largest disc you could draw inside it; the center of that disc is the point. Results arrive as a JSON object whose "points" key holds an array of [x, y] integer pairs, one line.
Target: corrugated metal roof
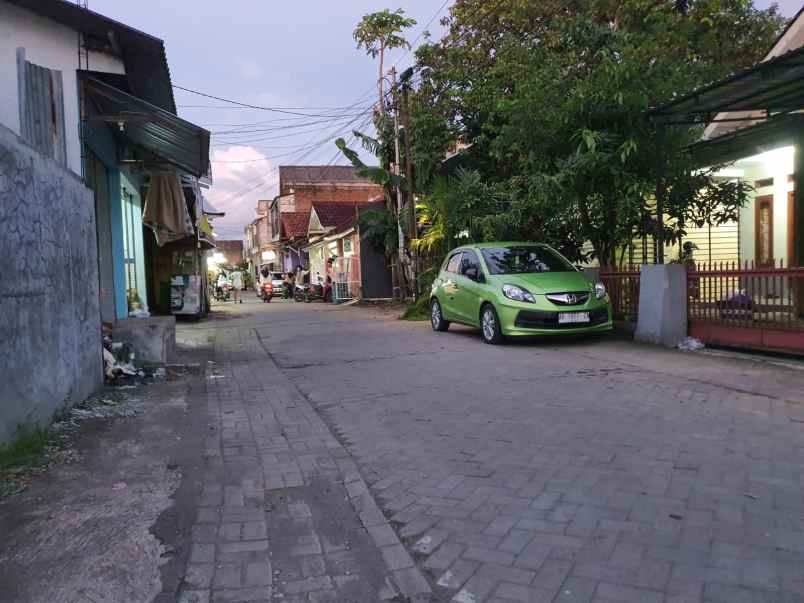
{"points": [[143, 54], [174, 139], [775, 86], [315, 174], [772, 134]]}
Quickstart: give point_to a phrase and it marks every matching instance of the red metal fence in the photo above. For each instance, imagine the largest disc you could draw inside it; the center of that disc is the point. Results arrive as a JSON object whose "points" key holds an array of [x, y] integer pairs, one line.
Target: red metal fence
{"points": [[747, 305], [622, 285], [729, 304]]}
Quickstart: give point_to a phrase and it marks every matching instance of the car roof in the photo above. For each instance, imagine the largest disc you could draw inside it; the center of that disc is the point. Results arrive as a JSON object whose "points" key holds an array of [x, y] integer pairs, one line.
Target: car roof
{"points": [[493, 244]]}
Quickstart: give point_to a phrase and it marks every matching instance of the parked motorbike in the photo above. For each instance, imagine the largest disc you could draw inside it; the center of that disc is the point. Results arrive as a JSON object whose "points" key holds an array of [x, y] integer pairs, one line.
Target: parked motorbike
{"points": [[312, 292], [223, 293], [299, 292], [267, 292]]}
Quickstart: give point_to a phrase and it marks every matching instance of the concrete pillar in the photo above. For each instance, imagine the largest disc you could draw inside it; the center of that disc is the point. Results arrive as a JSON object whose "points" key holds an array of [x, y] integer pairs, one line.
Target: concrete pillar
{"points": [[798, 222], [662, 304]]}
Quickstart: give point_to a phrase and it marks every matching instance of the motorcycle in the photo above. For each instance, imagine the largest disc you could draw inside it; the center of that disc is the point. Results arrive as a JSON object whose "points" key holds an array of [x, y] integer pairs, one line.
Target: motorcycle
{"points": [[266, 292], [308, 293], [299, 292], [223, 293]]}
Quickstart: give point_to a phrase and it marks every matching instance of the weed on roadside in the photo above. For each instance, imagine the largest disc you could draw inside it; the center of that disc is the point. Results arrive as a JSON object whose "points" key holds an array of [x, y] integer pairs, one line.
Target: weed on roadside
{"points": [[418, 311], [34, 448]]}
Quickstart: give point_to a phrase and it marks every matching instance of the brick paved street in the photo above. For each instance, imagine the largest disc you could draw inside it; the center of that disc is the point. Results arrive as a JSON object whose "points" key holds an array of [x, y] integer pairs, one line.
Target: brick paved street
{"points": [[316, 453], [280, 511], [575, 471]]}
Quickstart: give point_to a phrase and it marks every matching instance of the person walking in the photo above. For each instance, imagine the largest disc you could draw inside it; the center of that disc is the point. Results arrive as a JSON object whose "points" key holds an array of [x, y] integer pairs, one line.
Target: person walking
{"points": [[236, 278]]}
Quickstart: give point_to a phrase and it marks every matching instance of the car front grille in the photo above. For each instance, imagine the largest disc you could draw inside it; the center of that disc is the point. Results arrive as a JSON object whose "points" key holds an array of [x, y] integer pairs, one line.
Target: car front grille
{"points": [[570, 298], [539, 319]]}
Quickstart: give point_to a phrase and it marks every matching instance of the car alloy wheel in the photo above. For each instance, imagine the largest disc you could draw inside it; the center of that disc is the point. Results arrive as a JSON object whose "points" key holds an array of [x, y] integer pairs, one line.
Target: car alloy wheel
{"points": [[490, 325], [437, 318]]}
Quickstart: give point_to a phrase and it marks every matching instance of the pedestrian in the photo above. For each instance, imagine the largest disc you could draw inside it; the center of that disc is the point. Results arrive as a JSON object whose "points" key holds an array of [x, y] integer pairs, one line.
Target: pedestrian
{"points": [[236, 278], [221, 283]]}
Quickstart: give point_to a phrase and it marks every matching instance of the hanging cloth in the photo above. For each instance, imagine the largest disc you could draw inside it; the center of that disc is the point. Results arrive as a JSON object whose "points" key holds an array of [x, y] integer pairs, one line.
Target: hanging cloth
{"points": [[166, 209]]}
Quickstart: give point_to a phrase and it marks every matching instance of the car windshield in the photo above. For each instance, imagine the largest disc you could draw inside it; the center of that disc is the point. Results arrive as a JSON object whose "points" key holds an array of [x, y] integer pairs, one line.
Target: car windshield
{"points": [[523, 259]]}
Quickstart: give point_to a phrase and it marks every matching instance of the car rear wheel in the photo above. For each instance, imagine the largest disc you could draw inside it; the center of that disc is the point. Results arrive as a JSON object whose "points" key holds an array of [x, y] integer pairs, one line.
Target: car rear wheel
{"points": [[490, 329], [437, 317]]}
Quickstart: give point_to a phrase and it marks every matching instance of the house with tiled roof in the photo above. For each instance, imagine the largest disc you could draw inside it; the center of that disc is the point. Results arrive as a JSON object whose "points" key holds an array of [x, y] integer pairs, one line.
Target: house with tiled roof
{"points": [[300, 186], [339, 252]]}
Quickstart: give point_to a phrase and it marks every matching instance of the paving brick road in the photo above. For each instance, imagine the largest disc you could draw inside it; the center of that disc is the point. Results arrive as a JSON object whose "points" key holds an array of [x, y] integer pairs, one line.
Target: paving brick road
{"points": [[280, 509], [553, 471]]}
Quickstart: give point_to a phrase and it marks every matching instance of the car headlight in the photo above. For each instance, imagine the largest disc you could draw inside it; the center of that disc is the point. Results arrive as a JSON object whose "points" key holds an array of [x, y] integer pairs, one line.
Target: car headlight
{"points": [[518, 294], [600, 290]]}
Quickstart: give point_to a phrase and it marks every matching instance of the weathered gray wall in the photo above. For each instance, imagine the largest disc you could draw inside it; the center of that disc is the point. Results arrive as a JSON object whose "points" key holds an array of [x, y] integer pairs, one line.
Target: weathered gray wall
{"points": [[50, 338], [662, 304]]}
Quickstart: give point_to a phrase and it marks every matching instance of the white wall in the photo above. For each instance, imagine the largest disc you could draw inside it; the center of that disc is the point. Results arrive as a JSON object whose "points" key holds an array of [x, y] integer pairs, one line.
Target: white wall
{"points": [[49, 45], [778, 165]]}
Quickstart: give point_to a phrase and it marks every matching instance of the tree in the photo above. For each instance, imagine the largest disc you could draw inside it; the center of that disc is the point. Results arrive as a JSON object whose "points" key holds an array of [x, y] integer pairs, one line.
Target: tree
{"points": [[380, 31], [551, 97]]}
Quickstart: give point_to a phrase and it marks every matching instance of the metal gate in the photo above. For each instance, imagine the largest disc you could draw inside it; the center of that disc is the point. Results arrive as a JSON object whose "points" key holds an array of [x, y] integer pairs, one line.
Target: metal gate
{"points": [[345, 279]]}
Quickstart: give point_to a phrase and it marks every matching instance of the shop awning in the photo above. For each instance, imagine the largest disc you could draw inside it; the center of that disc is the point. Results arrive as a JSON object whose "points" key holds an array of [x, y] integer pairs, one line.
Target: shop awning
{"points": [[773, 86], [175, 140]]}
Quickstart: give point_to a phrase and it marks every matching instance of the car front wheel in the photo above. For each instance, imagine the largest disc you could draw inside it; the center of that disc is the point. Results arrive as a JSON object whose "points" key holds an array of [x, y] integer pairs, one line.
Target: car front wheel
{"points": [[437, 317], [490, 329]]}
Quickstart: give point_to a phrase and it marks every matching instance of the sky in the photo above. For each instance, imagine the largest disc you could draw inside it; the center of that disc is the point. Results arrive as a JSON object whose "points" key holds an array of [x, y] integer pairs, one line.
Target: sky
{"points": [[298, 55]]}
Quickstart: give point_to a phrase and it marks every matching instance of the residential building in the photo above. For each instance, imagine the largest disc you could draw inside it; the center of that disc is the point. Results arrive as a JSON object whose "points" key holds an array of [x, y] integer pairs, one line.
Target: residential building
{"points": [[337, 249], [87, 112], [71, 76], [299, 188], [753, 293]]}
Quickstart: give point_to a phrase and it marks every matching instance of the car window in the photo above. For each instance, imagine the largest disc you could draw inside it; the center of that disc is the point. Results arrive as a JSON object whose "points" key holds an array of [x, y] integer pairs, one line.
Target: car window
{"points": [[469, 260], [454, 263], [524, 259]]}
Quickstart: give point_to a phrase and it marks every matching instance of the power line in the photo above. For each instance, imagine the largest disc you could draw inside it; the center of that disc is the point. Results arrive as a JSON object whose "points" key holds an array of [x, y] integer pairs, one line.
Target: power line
{"points": [[304, 152], [247, 105], [421, 33]]}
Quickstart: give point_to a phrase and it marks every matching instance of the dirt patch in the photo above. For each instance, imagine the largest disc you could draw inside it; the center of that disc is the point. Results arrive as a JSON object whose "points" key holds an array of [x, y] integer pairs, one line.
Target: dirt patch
{"points": [[78, 527]]}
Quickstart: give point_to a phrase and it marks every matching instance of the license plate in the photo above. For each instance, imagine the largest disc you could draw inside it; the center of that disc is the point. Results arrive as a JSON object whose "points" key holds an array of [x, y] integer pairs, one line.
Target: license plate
{"points": [[568, 318]]}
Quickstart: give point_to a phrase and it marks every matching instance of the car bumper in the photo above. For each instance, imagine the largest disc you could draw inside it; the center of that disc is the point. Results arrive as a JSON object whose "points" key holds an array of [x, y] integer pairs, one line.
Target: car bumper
{"points": [[520, 319]]}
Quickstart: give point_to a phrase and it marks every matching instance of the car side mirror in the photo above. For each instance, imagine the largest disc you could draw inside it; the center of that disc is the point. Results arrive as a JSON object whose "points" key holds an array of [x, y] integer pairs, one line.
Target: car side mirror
{"points": [[473, 273]]}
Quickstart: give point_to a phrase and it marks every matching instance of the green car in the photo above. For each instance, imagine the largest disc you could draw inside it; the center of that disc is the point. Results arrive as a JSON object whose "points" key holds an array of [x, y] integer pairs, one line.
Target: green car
{"points": [[517, 289]]}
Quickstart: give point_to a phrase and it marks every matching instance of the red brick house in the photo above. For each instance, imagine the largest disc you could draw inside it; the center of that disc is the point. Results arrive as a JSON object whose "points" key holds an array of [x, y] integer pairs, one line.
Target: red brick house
{"points": [[302, 186]]}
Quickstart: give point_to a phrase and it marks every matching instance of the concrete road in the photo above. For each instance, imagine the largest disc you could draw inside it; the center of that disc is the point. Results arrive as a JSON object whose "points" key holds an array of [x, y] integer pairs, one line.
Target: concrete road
{"points": [[561, 470]]}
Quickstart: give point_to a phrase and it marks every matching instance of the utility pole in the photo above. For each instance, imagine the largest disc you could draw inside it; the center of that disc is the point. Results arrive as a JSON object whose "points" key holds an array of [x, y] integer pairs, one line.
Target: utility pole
{"points": [[412, 233], [399, 201]]}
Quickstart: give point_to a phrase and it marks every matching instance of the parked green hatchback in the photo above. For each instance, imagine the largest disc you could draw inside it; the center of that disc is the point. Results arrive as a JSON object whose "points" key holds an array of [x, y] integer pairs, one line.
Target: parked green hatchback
{"points": [[517, 289]]}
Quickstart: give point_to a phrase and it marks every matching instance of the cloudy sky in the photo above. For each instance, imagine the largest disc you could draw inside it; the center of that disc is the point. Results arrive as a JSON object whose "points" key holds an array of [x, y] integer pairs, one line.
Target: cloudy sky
{"points": [[296, 55]]}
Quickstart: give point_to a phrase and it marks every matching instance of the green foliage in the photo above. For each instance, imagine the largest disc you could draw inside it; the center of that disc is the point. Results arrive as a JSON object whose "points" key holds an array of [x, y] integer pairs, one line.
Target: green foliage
{"points": [[379, 31], [376, 174], [418, 311], [551, 98], [25, 450], [380, 229]]}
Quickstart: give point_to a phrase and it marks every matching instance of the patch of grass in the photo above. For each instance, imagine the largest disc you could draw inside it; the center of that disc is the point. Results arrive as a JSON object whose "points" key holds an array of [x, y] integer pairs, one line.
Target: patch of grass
{"points": [[26, 450], [418, 311]]}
